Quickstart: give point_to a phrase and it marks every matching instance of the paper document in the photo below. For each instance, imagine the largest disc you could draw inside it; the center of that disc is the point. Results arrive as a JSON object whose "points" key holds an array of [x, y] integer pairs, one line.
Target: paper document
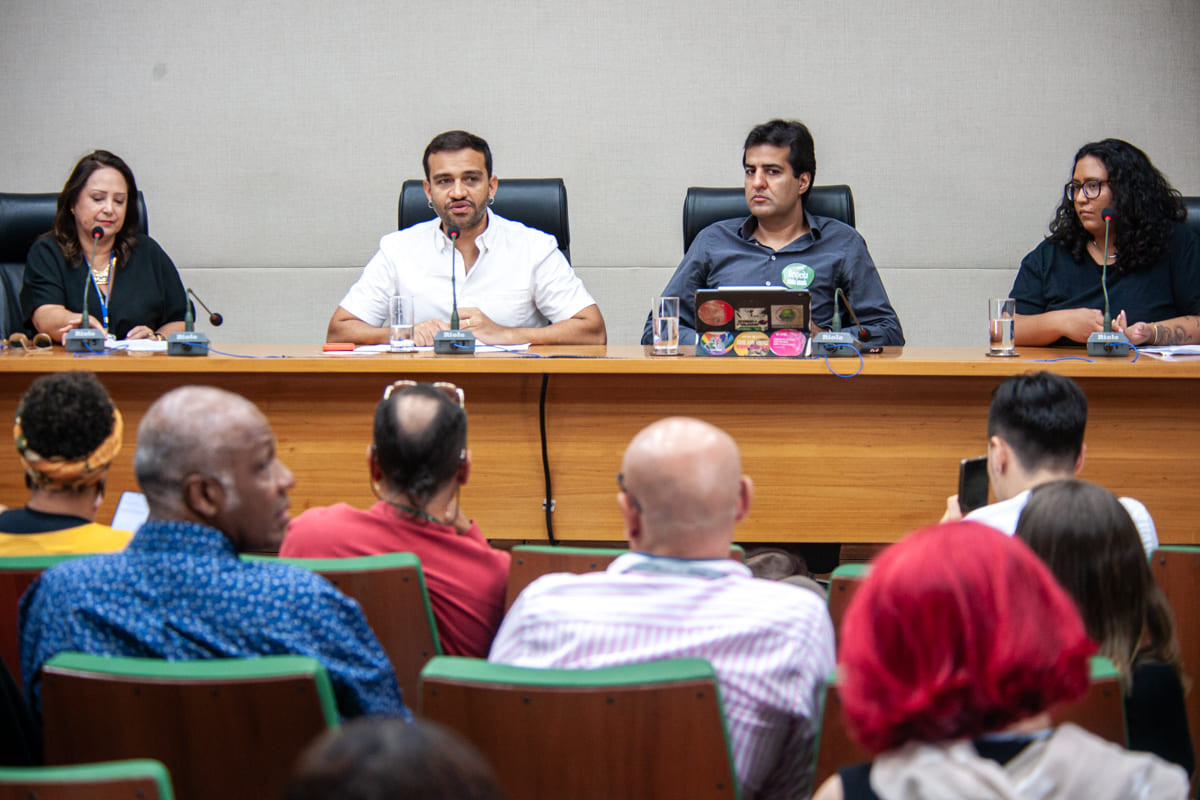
{"points": [[1167, 353]]}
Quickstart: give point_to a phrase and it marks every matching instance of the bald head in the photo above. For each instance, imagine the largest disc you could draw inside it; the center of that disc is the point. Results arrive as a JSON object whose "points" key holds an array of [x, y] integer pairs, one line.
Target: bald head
{"points": [[420, 440], [684, 489]]}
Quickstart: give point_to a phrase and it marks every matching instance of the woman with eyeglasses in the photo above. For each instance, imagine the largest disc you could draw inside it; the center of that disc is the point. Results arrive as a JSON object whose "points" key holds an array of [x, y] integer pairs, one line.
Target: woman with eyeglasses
{"points": [[96, 245], [1152, 258]]}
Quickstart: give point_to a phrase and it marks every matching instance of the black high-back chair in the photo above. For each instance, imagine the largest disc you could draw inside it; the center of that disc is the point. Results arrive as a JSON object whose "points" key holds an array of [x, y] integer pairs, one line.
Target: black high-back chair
{"points": [[703, 206], [23, 218], [1192, 204], [537, 202]]}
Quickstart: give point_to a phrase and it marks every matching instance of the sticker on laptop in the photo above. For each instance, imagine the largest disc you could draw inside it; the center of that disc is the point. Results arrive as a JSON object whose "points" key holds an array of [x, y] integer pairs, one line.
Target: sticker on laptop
{"points": [[750, 319], [752, 343], [716, 343], [788, 317], [788, 343], [797, 276], [715, 312]]}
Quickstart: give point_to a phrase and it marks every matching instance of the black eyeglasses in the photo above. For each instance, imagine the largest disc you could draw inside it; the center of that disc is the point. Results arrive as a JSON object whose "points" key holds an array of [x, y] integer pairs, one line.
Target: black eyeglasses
{"points": [[633, 500], [41, 341], [1090, 189], [449, 389]]}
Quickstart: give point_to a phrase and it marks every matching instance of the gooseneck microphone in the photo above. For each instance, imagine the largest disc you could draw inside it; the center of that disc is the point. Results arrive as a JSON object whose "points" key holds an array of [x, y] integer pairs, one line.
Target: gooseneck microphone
{"points": [[836, 342], [189, 341], [85, 338], [453, 341], [1107, 342], [214, 319]]}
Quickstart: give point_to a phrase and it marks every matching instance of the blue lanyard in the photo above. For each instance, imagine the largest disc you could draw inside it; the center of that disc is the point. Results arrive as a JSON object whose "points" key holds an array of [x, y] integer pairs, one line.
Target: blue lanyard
{"points": [[112, 278]]}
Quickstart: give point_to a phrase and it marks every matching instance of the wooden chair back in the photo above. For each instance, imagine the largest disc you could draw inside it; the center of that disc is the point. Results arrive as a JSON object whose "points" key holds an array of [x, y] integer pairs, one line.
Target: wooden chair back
{"points": [[223, 728], [652, 730], [136, 779], [391, 590], [1101, 711], [532, 561], [16, 574], [1176, 570], [843, 583]]}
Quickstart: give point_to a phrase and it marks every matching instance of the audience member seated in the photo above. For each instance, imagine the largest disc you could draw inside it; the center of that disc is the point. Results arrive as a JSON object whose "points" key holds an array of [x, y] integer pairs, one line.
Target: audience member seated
{"points": [[678, 595], [953, 652], [67, 432], [1035, 435], [514, 285], [134, 290], [207, 464], [388, 759], [1090, 544], [417, 464], [1153, 258]]}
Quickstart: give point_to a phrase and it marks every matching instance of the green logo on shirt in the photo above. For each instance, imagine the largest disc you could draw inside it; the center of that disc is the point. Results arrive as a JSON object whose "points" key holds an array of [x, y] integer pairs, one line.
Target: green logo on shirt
{"points": [[797, 276]]}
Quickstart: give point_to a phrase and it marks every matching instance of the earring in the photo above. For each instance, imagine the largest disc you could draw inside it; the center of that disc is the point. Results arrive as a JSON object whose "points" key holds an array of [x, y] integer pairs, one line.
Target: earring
{"points": [[492, 200], [429, 203]]}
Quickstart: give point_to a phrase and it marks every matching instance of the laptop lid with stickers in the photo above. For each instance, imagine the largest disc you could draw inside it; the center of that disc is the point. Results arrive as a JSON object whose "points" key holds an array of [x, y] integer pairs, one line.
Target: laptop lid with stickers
{"points": [[753, 322]]}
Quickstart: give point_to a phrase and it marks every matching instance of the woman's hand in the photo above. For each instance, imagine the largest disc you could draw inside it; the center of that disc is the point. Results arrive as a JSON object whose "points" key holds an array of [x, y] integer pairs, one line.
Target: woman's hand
{"points": [[140, 332], [74, 323]]}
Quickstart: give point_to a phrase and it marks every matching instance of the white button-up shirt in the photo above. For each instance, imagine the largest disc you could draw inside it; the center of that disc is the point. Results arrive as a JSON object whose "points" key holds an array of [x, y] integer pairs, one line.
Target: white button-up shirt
{"points": [[520, 279]]}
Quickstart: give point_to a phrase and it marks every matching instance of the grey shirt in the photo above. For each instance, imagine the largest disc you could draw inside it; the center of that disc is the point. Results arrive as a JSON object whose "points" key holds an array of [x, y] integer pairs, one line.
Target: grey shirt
{"points": [[833, 254]]}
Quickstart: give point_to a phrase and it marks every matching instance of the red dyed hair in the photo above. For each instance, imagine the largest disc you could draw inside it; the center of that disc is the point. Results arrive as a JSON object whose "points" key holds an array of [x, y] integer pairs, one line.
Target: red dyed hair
{"points": [[957, 631]]}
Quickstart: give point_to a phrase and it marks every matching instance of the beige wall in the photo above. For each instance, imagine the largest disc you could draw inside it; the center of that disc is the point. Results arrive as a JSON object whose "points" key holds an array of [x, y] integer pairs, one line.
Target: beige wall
{"points": [[271, 138]]}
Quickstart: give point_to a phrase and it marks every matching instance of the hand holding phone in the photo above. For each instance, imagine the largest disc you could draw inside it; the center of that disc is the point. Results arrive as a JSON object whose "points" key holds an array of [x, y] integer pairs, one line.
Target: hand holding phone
{"points": [[972, 484]]}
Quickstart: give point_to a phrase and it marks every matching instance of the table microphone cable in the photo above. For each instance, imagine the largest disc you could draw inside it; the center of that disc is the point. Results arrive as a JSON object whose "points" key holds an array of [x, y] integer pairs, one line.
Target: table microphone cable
{"points": [[548, 501]]}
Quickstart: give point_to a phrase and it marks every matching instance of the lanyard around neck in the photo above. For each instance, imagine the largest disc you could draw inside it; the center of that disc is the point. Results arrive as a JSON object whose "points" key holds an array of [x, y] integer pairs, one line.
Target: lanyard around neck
{"points": [[112, 279]]}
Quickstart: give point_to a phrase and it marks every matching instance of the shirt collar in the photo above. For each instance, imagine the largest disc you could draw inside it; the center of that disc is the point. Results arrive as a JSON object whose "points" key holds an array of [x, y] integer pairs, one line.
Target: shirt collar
{"points": [[176, 535], [815, 224], [483, 241], [646, 563]]}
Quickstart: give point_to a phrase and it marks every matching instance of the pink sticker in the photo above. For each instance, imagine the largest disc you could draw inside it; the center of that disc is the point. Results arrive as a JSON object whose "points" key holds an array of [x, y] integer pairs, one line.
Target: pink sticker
{"points": [[788, 343]]}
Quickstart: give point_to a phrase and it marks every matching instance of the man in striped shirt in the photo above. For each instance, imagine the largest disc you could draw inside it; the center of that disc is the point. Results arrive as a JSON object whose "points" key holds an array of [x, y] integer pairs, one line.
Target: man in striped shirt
{"points": [[678, 595]]}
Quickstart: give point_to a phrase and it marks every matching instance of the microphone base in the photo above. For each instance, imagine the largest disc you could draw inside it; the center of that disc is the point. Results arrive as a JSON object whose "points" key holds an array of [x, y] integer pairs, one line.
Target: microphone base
{"points": [[1108, 343], [84, 340], [834, 344], [454, 343], [187, 343]]}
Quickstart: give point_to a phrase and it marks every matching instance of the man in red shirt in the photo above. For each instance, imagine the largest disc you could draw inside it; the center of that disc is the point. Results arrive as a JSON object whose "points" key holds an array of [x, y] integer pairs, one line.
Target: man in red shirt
{"points": [[417, 462]]}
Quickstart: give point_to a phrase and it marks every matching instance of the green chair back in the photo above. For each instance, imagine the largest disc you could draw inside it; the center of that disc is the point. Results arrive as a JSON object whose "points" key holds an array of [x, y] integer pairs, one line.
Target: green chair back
{"points": [[391, 590], [223, 727], [135, 779], [643, 730]]}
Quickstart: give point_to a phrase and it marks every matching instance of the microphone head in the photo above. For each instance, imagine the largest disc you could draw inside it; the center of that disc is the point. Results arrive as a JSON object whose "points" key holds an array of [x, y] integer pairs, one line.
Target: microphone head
{"points": [[215, 320], [97, 232], [1108, 214], [452, 231]]}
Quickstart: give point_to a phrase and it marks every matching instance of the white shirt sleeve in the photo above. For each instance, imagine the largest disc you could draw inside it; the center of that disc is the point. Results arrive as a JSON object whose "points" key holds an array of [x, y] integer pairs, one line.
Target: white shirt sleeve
{"points": [[559, 293], [368, 297]]}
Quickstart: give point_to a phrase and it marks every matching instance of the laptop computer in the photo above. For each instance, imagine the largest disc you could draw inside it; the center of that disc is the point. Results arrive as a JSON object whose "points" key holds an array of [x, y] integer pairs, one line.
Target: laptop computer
{"points": [[753, 322]]}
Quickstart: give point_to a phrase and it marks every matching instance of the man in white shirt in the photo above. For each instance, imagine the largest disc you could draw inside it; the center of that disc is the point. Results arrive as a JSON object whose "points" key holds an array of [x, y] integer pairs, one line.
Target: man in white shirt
{"points": [[678, 595], [514, 285], [1035, 435]]}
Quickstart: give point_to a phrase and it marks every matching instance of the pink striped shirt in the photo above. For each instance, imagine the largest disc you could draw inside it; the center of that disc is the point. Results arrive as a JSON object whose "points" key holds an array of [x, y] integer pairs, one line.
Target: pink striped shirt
{"points": [[771, 645]]}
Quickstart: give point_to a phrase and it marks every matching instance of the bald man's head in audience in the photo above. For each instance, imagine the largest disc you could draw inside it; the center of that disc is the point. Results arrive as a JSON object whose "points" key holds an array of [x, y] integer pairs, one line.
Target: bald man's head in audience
{"points": [[682, 489], [208, 456]]}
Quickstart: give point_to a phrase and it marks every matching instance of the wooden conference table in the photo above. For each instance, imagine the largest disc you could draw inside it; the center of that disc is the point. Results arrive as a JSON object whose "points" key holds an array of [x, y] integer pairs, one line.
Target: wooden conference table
{"points": [[862, 459]]}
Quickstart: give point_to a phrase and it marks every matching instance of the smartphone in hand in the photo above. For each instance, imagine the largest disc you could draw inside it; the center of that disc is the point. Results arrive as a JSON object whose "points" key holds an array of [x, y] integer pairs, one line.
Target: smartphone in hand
{"points": [[972, 484]]}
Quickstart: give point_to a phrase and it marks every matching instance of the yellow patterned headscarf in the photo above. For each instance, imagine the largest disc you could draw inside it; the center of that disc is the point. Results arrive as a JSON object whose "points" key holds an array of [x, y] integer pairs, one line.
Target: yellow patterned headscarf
{"points": [[58, 472]]}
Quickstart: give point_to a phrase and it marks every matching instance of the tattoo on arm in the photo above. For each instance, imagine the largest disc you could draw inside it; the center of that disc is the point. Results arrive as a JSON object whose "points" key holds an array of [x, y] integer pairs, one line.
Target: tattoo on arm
{"points": [[1168, 335]]}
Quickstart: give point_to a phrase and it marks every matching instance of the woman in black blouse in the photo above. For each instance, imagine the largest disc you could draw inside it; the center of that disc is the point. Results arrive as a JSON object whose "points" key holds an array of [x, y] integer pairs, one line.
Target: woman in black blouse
{"points": [[134, 291]]}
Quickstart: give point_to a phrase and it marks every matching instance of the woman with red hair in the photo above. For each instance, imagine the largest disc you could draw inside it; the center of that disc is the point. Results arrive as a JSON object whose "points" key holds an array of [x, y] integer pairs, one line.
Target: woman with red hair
{"points": [[953, 652]]}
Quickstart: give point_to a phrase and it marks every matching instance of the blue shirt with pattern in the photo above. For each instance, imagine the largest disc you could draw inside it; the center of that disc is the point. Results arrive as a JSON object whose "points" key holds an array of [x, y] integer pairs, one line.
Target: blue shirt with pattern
{"points": [[180, 592]]}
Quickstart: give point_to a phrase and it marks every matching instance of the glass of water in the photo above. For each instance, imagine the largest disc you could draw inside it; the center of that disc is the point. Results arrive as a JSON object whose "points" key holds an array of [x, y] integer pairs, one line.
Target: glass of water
{"points": [[400, 321], [664, 312], [1001, 313]]}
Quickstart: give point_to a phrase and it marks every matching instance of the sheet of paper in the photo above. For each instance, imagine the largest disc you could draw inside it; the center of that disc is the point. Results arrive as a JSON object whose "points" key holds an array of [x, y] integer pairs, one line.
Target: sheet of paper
{"points": [[1167, 353]]}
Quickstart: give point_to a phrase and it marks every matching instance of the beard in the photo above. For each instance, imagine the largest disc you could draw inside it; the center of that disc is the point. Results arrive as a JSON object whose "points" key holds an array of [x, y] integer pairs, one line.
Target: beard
{"points": [[474, 218]]}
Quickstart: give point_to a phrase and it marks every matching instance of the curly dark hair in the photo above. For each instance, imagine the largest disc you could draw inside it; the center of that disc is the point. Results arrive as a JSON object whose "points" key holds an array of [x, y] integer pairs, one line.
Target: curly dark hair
{"points": [[64, 231], [1145, 203], [66, 414]]}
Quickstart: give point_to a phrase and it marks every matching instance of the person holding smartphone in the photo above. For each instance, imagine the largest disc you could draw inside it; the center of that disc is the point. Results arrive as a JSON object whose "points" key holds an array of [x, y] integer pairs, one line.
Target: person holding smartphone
{"points": [[1035, 433]]}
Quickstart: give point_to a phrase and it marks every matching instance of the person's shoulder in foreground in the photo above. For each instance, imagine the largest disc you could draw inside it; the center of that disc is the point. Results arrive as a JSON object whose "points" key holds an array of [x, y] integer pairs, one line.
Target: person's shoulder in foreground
{"points": [[207, 464], [515, 284]]}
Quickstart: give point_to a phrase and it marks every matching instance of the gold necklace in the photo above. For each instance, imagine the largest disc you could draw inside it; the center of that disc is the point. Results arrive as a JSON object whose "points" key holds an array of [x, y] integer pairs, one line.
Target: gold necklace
{"points": [[101, 275]]}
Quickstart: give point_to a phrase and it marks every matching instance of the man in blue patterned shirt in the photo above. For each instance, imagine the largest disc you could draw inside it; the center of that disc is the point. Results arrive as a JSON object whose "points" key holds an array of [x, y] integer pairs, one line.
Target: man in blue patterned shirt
{"points": [[206, 461]]}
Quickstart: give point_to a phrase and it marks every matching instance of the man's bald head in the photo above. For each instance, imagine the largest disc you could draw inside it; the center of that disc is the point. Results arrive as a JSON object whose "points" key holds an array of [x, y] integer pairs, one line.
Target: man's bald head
{"points": [[684, 489]]}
